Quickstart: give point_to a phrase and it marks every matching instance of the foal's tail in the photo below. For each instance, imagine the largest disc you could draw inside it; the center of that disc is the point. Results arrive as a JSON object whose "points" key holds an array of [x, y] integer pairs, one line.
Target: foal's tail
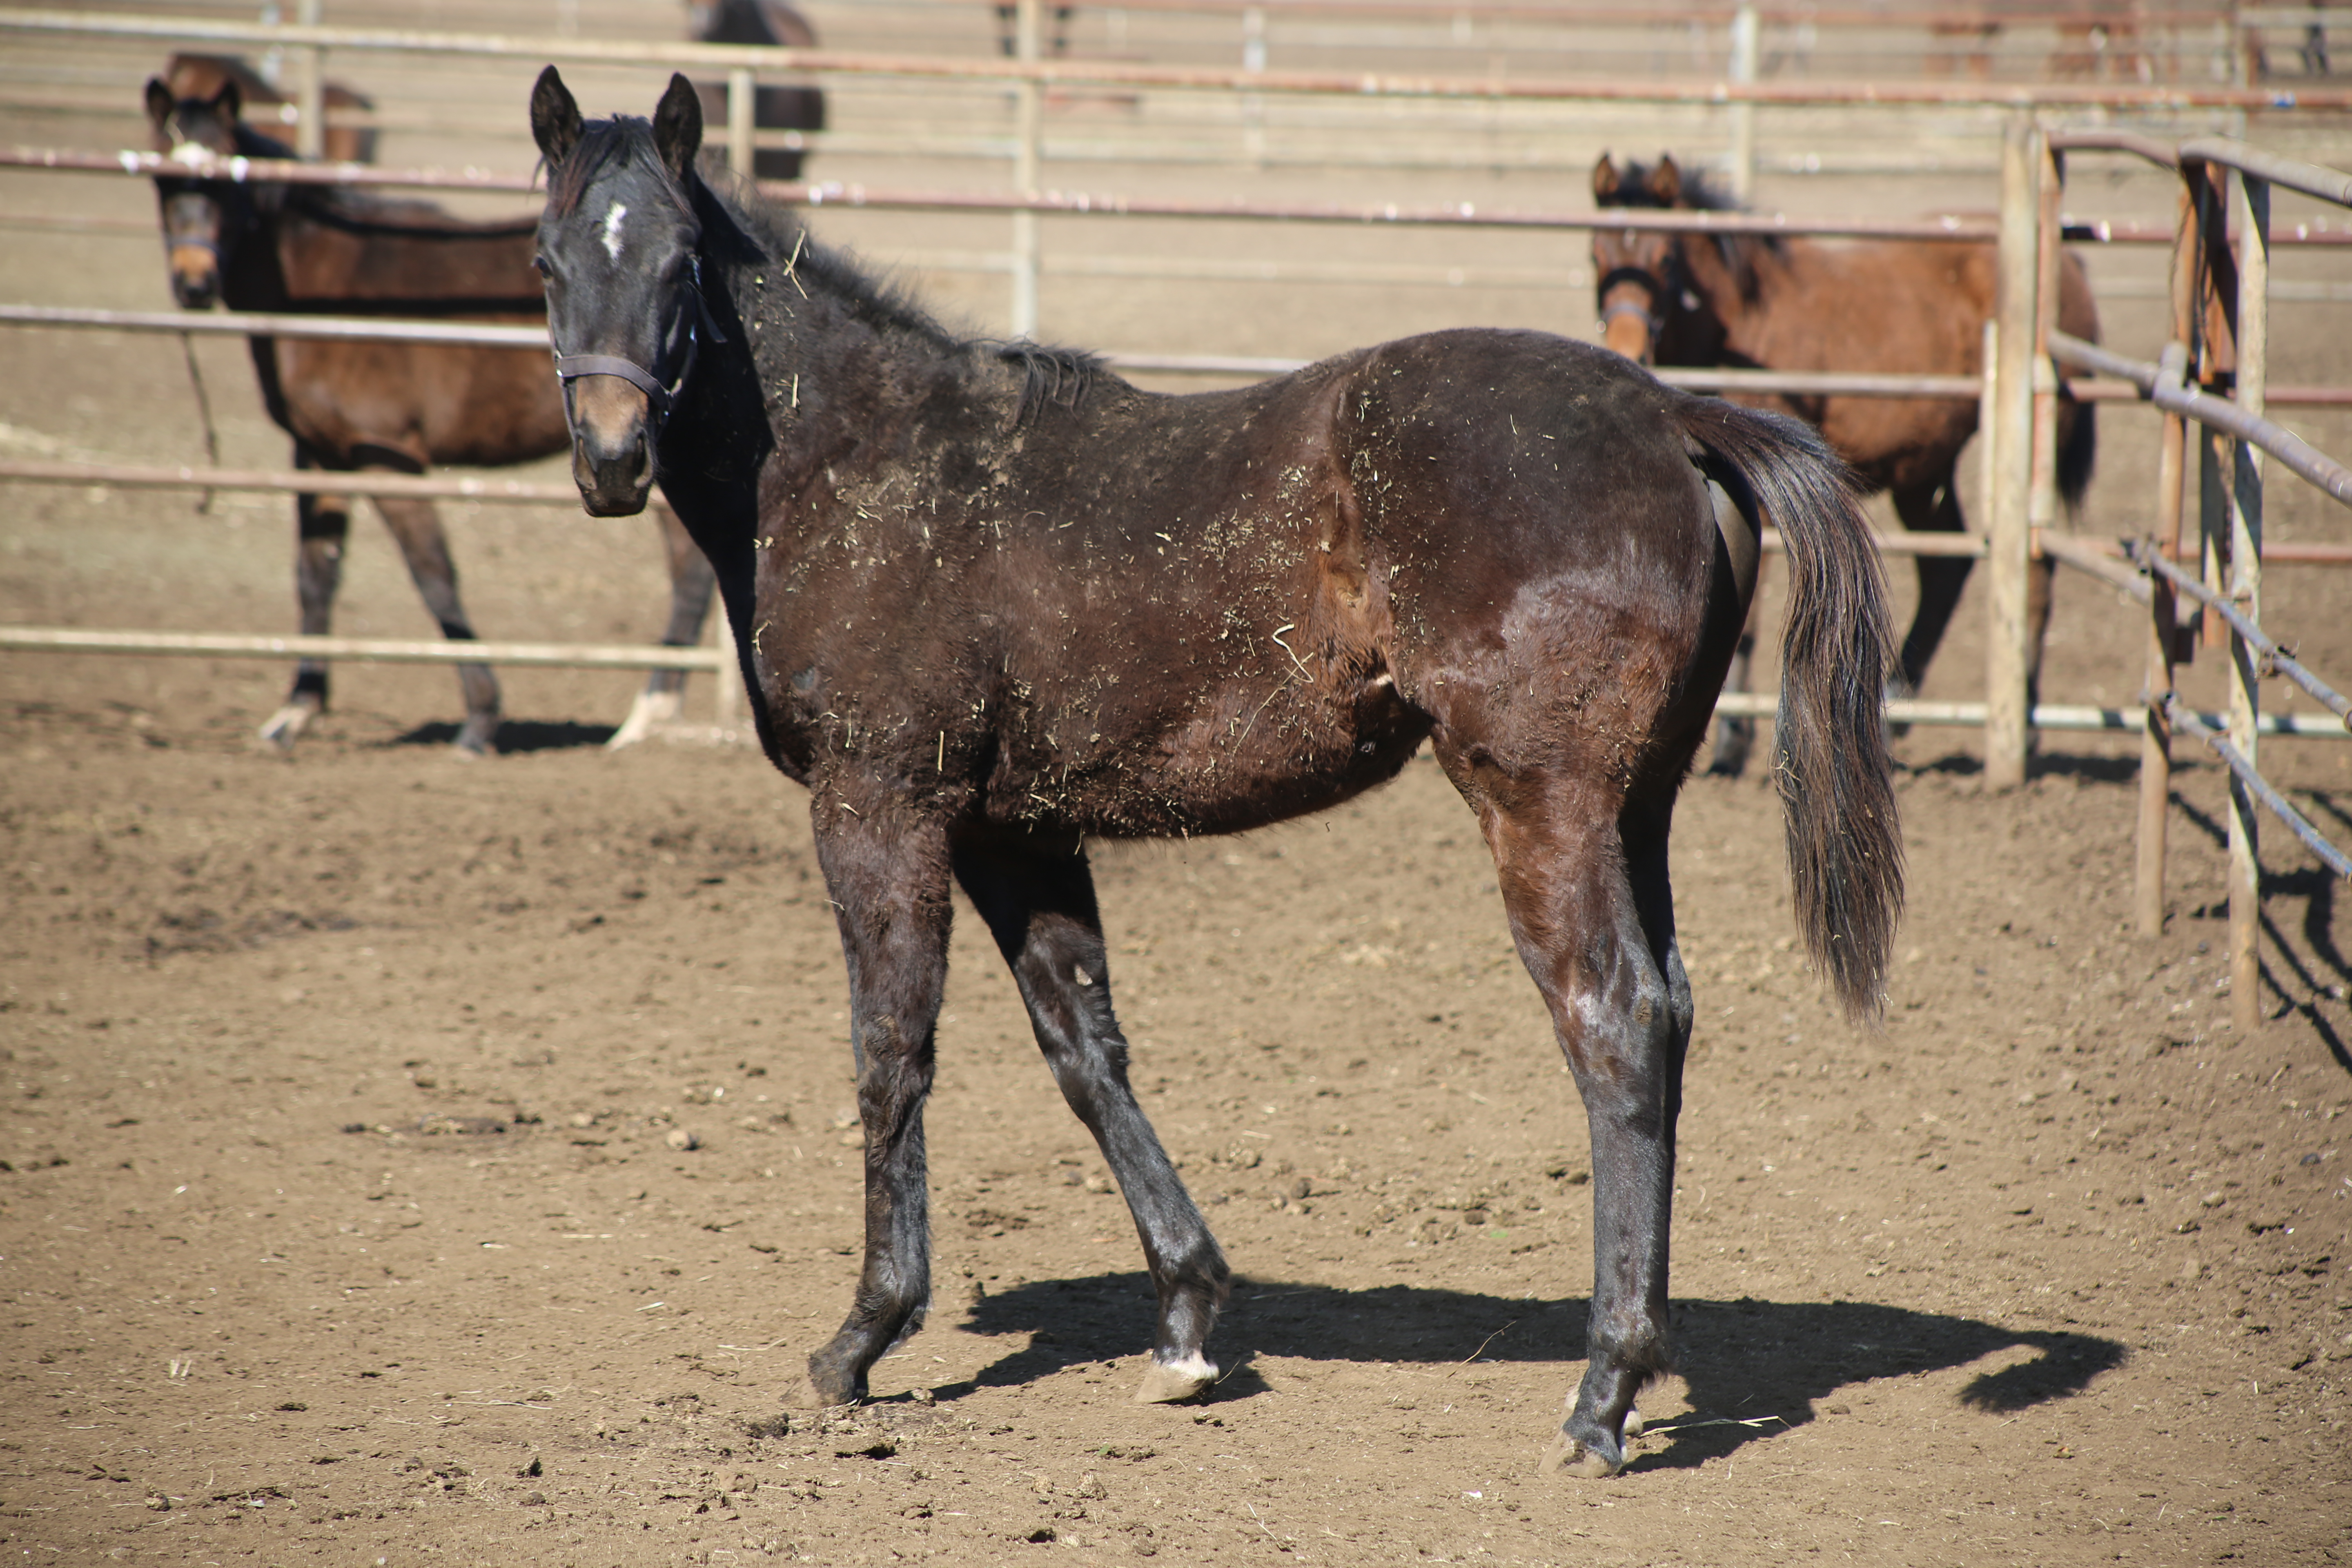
{"points": [[1837, 792]]}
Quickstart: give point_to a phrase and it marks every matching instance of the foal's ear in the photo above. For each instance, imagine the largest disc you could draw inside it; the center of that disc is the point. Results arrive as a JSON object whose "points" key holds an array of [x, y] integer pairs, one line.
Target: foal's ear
{"points": [[677, 127], [159, 103], [228, 102], [1666, 181], [554, 117], [1605, 179]]}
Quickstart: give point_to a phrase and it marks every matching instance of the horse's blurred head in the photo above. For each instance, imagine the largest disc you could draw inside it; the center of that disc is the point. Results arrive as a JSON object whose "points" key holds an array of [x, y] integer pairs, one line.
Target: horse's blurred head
{"points": [[619, 246], [1634, 269], [193, 118]]}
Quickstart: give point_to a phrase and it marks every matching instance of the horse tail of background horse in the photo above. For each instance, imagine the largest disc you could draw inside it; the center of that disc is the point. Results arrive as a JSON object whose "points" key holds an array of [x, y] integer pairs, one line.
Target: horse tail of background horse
{"points": [[1830, 757], [2078, 448]]}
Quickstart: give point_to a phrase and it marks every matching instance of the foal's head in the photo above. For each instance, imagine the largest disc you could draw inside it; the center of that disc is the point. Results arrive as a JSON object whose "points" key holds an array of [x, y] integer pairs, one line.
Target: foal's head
{"points": [[193, 117], [619, 246], [1638, 271]]}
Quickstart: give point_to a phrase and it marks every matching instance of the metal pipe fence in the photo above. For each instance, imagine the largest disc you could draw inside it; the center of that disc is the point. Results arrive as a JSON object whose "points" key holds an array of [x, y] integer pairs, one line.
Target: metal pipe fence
{"points": [[2220, 338]]}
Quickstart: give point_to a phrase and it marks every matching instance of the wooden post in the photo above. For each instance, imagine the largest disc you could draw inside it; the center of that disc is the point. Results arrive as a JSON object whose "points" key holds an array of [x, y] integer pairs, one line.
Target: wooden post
{"points": [[742, 99], [2163, 608], [2008, 533], [2042, 493], [1747, 44], [1028, 114], [310, 89], [2254, 215]]}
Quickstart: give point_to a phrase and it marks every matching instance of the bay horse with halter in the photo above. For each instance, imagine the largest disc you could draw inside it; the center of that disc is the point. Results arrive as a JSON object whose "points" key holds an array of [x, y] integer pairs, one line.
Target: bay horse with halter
{"points": [[352, 407], [1782, 302], [991, 601]]}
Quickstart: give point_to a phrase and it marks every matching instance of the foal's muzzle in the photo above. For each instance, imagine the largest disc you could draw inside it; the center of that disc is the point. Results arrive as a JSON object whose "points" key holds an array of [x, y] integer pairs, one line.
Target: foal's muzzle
{"points": [[612, 448]]}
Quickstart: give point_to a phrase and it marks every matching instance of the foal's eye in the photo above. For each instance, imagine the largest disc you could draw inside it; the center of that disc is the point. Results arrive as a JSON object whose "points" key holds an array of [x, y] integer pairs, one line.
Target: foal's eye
{"points": [[539, 265]]}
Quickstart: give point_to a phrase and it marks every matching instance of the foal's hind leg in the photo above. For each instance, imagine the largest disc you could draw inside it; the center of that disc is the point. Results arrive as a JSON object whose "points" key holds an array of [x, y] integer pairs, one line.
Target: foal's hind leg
{"points": [[1591, 913], [889, 880], [322, 527], [1038, 898], [417, 527], [1735, 735], [1931, 508], [691, 584]]}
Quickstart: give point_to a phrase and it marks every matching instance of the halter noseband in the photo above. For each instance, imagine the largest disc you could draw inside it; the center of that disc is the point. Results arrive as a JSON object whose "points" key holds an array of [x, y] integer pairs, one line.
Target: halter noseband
{"points": [[1651, 316], [569, 368]]}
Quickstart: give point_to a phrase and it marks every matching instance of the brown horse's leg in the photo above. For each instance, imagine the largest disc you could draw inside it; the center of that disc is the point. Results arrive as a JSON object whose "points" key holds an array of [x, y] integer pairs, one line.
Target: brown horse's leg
{"points": [[1734, 736], [322, 527], [1933, 507], [691, 584], [890, 886], [417, 526], [1586, 894], [1038, 898]]}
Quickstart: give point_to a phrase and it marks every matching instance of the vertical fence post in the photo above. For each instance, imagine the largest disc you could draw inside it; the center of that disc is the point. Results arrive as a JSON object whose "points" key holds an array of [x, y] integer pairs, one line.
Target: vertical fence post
{"points": [[310, 89], [2041, 488], [2008, 530], [1028, 114], [743, 96], [1252, 105], [1747, 41], [2163, 608], [2253, 214]]}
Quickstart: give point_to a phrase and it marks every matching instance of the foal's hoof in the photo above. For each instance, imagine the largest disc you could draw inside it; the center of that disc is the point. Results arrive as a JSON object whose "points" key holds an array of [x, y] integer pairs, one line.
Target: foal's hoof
{"points": [[285, 724], [473, 741], [804, 1395], [651, 712], [1166, 1382], [1566, 1457]]}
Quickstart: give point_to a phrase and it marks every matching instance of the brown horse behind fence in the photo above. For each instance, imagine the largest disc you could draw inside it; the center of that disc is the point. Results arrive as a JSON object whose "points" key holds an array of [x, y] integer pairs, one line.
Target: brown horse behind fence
{"points": [[990, 601], [1787, 303], [354, 406]]}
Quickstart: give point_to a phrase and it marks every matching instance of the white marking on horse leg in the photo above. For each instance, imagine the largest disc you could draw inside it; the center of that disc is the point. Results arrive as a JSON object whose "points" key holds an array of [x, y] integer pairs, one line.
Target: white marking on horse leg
{"points": [[612, 230]]}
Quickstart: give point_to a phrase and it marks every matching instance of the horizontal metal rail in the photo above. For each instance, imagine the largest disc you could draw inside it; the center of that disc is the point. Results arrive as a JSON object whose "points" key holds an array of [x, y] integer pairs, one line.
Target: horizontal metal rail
{"points": [[553, 656], [281, 324], [2276, 658], [2311, 179], [300, 481], [2168, 392], [2067, 717], [1065, 72], [2209, 729]]}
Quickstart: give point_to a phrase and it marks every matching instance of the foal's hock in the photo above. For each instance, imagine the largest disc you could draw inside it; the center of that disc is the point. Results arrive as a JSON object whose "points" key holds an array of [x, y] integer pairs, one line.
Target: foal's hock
{"points": [[992, 601]]}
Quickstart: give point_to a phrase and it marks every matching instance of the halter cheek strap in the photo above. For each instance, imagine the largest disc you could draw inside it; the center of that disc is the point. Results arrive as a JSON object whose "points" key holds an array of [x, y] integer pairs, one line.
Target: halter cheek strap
{"points": [[569, 368]]}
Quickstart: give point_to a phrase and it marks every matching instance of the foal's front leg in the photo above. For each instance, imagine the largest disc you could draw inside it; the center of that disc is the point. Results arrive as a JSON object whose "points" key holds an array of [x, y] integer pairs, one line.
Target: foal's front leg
{"points": [[889, 877], [1038, 898]]}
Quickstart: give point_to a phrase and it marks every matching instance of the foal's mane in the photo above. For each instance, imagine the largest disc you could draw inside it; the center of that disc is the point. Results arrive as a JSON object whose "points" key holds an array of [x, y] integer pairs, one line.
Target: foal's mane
{"points": [[1052, 377]]}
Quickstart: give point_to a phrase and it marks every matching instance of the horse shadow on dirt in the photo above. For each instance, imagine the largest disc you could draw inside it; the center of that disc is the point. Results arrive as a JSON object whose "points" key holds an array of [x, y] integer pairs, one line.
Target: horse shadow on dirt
{"points": [[1753, 1367], [517, 735]]}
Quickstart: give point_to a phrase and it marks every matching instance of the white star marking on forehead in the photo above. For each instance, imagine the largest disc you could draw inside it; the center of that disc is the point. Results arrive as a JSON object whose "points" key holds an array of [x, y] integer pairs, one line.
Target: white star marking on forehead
{"points": [[612, 230]]}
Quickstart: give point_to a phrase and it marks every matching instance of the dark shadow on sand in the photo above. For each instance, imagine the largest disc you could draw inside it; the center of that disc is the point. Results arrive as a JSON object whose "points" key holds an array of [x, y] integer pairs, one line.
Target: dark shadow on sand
{"points": [[1756, 1366], [517, 735]]}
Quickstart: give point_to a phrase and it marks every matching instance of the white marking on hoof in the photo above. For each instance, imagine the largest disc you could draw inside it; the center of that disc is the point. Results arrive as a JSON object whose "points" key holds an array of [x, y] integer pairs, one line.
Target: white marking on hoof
{"points": [[651, 709], [1566, 1457], [286, 723], [1166, 1382], [1633, 1424]]}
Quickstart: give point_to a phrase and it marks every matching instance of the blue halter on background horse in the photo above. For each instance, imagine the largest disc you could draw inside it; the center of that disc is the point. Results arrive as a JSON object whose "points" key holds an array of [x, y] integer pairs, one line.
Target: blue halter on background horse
{"points": [[992, 601]]}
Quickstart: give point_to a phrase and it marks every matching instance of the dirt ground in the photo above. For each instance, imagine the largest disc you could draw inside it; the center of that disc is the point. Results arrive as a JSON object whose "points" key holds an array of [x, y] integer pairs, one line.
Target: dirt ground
{"points": [[408, 1160]]}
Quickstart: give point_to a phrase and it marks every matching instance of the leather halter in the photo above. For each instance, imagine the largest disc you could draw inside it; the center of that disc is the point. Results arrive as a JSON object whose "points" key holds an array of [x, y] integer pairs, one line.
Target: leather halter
{"points": [[663, 398], [1651, 317]]}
